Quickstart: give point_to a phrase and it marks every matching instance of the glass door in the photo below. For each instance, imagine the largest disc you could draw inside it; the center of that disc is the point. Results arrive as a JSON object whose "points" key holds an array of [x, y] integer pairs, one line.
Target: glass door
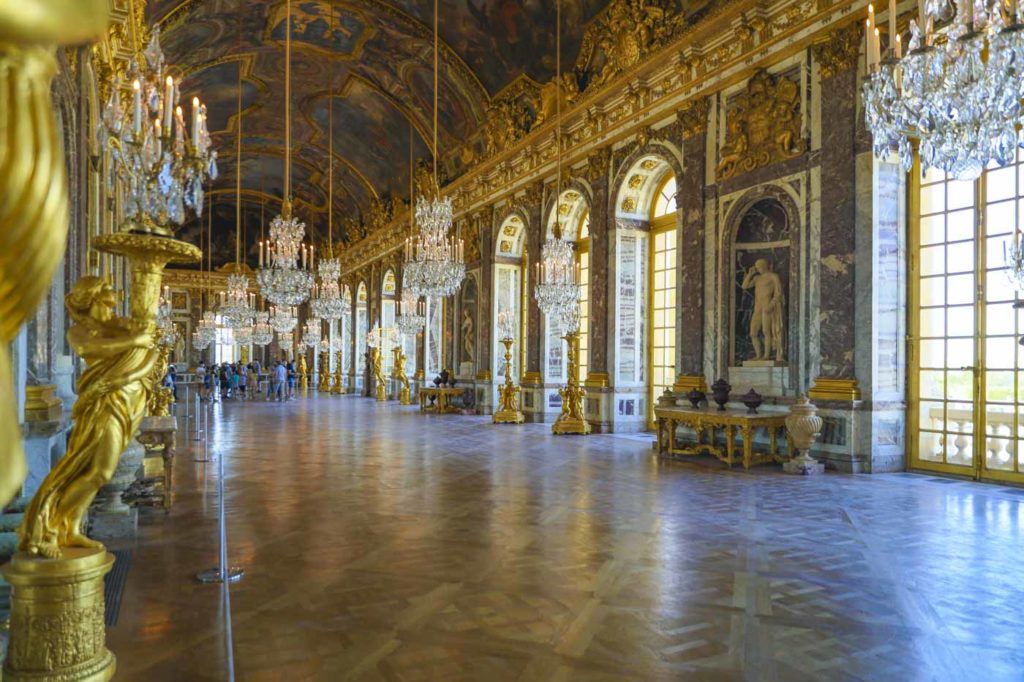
{"points": [[965, 361]]}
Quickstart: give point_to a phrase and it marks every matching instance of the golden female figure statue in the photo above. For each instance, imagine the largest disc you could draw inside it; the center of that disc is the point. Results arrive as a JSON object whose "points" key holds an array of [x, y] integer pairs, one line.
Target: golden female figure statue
{"points": [[112, 393], [33, 184]]}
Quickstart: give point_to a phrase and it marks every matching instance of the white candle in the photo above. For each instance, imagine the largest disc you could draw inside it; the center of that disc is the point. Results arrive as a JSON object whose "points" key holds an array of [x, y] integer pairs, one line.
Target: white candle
{"points": [[892, 25], [168, 103], [899, 46], [867, 46], [261, 254], [137, 122], [303, 249], [878, 47], [195, 121]]}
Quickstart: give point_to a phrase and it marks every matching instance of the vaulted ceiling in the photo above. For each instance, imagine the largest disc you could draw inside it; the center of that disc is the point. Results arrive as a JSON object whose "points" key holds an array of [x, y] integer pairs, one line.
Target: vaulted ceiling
{"points": [[369, 60]]}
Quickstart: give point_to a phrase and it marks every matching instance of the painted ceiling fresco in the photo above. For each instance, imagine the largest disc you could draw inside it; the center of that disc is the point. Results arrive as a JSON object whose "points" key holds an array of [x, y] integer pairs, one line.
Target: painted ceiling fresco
{"points": [[372, 59]]}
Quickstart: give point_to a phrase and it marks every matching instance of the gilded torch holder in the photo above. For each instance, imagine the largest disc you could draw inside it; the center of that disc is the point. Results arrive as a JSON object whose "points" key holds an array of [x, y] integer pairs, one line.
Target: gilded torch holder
{"points": [[571, 420], [508, 394], [325, 372], [338, 383], [378, 375], [404, 395]]}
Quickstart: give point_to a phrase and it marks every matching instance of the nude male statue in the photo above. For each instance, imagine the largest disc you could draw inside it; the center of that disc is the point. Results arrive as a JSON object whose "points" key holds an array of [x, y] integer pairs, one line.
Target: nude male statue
{"points": [[769, 300]]}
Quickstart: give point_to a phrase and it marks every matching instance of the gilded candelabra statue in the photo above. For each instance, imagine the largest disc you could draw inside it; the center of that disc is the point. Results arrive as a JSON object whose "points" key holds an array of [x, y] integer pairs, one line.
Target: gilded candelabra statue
{"points": [[508, 411], [57, 613], [378, 374], [120, 354], [325, 371], [404, 395], [33, 181], [571, 419], [303, 372], [338, 383]]}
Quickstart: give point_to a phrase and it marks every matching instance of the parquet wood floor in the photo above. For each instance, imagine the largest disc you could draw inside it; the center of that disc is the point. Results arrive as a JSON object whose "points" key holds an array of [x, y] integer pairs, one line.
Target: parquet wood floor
{"points": [[384, 545]]}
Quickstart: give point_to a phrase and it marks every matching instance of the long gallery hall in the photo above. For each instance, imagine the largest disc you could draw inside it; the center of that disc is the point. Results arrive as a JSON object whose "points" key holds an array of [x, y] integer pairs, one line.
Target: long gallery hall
{"points": [[487, 340]]}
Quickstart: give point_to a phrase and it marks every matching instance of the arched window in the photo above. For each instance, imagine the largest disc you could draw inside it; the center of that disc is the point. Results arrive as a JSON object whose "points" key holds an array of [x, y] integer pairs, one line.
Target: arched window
{"points": [[665, 199], [509, 287], [662, 288], [583, 261], [362, 327], [389, 287]]}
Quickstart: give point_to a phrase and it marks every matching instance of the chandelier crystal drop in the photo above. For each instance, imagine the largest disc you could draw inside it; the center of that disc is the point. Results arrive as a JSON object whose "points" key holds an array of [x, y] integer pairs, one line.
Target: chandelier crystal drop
{"points": [[959, 91], [162, 162], [283, 319], [262, 331], [557, 290], [326, 302], [411, 315], [285, 276], [434, 262], [206, 333], [236, 306], [167, 331]]}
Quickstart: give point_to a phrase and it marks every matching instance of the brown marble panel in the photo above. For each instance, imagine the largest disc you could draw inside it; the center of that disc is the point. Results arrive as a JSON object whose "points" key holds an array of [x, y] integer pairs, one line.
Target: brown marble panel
{"points": [[486, 231], [838, 193], [690, 261], [534, 240], [600, 229]]}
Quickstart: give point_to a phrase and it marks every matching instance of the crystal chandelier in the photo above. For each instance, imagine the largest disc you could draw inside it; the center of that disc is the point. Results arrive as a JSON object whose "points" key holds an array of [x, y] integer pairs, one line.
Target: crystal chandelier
{"points": [[167, 331], [206, 332], [327, 303], [262, 331], [283, 319], [326, 346], [243, 334], [311, 334], [557, 289], [434, 264], [236, 306], [411, 314], [162, 164], [285, 275], [961, 98]]}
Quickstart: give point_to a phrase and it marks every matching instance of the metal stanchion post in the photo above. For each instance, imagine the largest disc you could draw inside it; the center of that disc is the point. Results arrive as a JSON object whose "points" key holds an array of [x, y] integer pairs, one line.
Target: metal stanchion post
{"points": [[205, 415], [198, 429], [222, 573]]}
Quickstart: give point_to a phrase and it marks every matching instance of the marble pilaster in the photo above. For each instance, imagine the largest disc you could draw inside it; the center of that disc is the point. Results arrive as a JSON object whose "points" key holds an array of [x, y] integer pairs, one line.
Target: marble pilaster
{"points": [[485, 228], [838, 200], [690, 259], [534, 205], [598, 172]]}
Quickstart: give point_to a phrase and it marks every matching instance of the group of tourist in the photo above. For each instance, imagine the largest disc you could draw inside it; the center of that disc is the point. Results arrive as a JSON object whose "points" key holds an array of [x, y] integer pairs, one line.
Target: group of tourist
{"points": [[242, 381]]}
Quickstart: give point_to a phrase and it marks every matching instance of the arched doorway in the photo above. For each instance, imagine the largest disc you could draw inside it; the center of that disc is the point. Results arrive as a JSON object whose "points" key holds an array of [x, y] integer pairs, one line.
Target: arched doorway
{"points": [[388, 293], [573, 210], [645, 305]]}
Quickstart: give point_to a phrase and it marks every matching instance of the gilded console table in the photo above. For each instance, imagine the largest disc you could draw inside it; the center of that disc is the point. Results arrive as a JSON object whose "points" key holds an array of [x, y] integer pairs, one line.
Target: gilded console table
{"points": [[733, 422], [443, 394], [157, 434]]}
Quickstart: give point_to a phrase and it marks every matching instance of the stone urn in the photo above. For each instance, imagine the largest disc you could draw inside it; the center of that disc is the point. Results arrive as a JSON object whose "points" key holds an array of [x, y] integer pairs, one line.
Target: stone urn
{"points": [[803, 425], [752, 399], [696, 397], [720, 392], [667, 399]]}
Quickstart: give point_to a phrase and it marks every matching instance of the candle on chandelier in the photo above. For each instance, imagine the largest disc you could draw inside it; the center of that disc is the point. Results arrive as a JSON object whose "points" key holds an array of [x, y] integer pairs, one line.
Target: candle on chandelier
{"points": [[137, 107], [898, 46], [878, 47], [303, 250], [168, 103], [892, 25], [261, 255], [179, 125], [159, 143], [195, 121]]}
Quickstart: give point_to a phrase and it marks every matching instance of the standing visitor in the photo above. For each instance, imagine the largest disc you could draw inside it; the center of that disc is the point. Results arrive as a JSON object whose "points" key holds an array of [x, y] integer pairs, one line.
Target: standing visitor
{"points": [[243, 380], [203, 379], [280, 377], [291, 380], [233, 382]]}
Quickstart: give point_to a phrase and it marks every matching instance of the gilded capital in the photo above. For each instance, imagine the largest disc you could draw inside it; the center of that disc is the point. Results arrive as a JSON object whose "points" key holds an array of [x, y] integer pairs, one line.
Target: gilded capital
{"points": [[692, 118], [838, 51]]}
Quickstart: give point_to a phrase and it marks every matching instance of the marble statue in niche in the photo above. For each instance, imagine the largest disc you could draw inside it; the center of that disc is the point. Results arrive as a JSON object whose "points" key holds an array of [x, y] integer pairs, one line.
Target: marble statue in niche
{"points": [[761, 259], [468, 343], [466, 356], [766, 327]]}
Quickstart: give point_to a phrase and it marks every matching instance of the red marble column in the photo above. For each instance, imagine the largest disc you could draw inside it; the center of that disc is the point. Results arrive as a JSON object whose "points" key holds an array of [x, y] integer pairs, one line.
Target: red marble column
{"points": [[598, 175], [484, 227], [535, 234]]}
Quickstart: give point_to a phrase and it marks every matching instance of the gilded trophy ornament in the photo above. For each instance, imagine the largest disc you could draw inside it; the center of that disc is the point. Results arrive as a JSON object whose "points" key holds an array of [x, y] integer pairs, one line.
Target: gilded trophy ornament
{"points": [[763, 126], [303, 372], [120, 354], [338, 383], [325, 371]]}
